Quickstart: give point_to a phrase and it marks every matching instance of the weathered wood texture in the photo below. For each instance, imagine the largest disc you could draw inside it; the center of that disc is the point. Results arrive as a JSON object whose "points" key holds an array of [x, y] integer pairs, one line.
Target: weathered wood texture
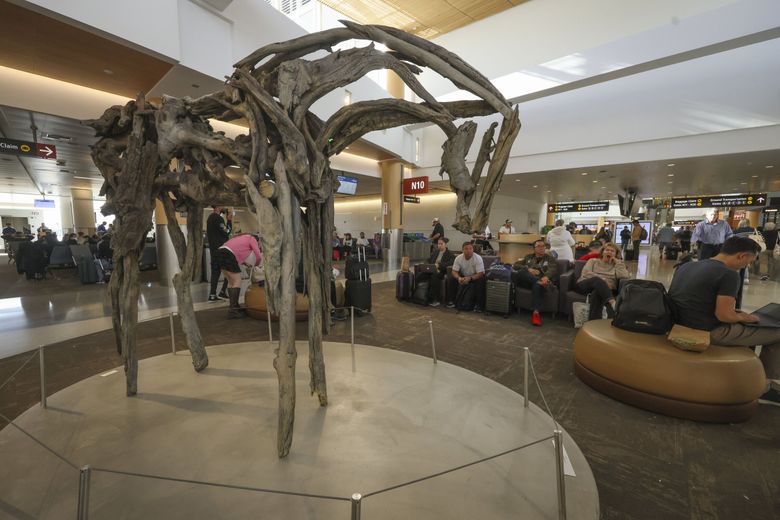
{"points": [[285, 165]]}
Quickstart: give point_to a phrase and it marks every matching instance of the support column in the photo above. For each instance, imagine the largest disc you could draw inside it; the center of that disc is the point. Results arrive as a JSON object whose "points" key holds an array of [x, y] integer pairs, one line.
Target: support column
{"points": [[83, 211], [392, 213], [167, 262]]}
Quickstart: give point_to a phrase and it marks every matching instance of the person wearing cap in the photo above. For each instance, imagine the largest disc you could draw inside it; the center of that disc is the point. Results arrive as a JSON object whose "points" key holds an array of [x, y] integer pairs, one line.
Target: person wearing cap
{"points": [[507, 228]]}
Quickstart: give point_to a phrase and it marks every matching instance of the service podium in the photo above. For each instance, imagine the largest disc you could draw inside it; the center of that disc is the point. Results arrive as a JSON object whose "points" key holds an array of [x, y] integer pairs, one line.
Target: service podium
{"points": [[513, 246]]}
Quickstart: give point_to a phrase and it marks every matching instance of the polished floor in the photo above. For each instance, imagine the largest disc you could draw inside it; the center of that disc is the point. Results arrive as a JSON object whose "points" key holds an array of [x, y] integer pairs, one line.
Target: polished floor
{"points": [[394, 417], [646, 466]]}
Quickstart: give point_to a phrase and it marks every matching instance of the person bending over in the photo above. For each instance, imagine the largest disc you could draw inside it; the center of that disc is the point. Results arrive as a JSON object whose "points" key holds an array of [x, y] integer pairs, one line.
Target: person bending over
{"points": [[538, 271], [600, 278], [705, 295], [442, 258], [239, 250], [468, 275], [595, 251]]}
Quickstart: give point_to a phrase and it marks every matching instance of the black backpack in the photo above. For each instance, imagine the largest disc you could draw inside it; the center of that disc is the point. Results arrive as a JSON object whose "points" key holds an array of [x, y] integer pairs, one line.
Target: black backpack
{"points": [[644, 306], [643, 234]]}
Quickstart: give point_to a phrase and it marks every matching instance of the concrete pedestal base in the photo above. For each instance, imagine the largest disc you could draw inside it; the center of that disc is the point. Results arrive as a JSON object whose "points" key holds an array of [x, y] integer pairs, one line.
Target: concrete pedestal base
{"points": [[393, 417]]}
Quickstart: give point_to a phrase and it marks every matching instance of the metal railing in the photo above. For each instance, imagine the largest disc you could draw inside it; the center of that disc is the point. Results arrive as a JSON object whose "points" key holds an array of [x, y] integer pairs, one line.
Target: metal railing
{"points": [[356, 499]]}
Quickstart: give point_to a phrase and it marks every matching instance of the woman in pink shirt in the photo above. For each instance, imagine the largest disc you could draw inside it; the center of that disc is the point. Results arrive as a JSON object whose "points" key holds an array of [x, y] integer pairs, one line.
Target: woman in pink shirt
{"points": [[242, 249]]}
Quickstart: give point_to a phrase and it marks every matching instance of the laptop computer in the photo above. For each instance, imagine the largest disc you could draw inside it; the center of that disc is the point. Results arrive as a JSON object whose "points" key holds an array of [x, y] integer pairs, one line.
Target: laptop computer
{"points": [[768, 316]]}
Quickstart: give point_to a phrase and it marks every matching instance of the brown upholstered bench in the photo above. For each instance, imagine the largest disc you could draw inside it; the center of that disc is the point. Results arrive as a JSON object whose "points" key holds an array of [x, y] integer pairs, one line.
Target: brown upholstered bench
{"points": [[257, 307], [721, 384]]}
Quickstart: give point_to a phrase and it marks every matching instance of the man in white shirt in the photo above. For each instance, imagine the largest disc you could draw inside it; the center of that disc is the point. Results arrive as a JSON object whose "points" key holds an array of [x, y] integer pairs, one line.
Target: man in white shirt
{"points": [[468, 276], [507, 228]]}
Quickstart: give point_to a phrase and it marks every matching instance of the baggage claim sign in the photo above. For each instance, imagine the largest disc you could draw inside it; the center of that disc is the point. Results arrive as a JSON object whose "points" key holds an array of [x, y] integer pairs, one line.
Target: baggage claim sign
{"points": [[721, 201], [577, 207]]}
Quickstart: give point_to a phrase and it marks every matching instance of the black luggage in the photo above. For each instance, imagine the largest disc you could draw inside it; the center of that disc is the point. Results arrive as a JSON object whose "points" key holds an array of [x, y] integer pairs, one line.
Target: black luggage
{"points": [[87, 271], [424, 269], [404, 282], [420, 295], [466, 297], [33, 261], [672, 253], [357, 293], [498, 297], [644, 306], [357, 265]]}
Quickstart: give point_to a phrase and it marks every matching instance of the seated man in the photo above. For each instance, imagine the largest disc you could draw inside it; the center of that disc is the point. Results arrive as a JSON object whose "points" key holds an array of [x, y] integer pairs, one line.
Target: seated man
{"points": [[537, 271], [705, 295], [468, 280], [442, 258]]}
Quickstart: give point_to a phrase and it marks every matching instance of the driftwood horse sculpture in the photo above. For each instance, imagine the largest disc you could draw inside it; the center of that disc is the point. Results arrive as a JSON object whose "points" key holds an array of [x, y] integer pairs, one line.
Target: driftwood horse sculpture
{"points": [[284, 173]]}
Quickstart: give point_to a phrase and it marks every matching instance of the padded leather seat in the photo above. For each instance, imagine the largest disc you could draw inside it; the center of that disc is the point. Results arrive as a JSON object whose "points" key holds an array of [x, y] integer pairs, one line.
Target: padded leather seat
{"points": [[721, 384], [257, 307]]}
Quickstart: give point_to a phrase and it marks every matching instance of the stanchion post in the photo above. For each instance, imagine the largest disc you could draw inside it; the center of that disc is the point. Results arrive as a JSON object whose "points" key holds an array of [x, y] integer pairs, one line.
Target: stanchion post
{"points": [[433, 341], [270, 330], [83, 503], [526, 363], [173, 336], [43, 376], [558, 439], [352, 324], [355, 500]]}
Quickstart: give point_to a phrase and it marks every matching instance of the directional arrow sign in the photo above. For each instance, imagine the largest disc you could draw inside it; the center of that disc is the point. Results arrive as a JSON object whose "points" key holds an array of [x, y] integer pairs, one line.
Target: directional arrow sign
{"points": [[28, 149], [46, 151]]}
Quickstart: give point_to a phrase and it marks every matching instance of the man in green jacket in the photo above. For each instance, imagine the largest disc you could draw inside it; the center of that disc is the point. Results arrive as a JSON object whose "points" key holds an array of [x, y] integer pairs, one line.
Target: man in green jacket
{"points": [[537, 271]]}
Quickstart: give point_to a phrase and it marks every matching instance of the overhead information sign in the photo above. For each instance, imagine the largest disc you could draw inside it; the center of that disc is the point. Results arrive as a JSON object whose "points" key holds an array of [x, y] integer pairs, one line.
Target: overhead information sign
{"points": [[43, 203], [415, 185], [28, 149], [577, 207], [719, 201], [411, 199]]}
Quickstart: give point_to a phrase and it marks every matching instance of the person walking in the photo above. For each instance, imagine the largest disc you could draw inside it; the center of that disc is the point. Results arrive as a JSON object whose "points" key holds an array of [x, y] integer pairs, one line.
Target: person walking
{"points": [[712, 233], [665, 238], [216, 234], [561, 241]]}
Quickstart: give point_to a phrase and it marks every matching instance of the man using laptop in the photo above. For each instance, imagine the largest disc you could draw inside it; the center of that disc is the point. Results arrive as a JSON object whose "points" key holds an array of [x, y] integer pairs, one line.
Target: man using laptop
{"points": [[705, 295]]}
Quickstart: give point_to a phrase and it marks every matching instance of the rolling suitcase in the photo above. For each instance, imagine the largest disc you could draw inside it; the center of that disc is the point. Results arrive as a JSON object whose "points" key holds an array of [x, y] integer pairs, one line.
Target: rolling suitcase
{"points": [[357, 293], [420, 295], [672, 253], [498, 297], [87, 271], [404, 281], [357, 265]]}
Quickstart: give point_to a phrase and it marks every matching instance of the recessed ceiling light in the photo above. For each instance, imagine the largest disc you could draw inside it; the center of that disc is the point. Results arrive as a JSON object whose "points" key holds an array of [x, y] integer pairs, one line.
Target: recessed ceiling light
{"points": [[670, 164], [518, 180], [603, 187], [754, 176], [535, 186], [595, 181], [743, 183], [548, 191], [108, 71], [670, 182], [769, 166], [670, 175], [584, 173]]}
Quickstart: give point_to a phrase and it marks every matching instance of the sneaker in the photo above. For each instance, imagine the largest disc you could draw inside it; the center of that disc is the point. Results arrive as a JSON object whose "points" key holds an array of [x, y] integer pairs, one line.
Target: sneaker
{"points": [[434, 304], [536, 319], [213, 298], [223, 296], [771, 397], [451, 305]]}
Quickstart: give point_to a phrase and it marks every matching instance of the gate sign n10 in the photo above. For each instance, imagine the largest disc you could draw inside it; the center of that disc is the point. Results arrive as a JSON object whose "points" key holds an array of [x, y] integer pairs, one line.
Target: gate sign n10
{"points": [[415, 185]]}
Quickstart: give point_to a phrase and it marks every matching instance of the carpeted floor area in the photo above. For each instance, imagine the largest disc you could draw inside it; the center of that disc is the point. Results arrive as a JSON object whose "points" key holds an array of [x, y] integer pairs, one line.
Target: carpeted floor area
{"points": [[646, 466]]}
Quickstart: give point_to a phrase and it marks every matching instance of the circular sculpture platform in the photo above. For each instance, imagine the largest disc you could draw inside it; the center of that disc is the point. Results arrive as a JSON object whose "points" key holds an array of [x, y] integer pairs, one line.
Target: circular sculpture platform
{"points": [[393, 417]]}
